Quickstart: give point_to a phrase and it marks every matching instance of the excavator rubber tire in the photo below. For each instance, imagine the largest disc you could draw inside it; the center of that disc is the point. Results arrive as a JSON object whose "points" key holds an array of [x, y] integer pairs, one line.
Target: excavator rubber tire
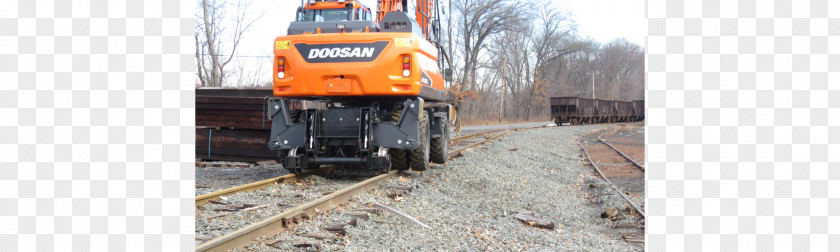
{"points": [[419, 158], [440, 146], [398, 159]]}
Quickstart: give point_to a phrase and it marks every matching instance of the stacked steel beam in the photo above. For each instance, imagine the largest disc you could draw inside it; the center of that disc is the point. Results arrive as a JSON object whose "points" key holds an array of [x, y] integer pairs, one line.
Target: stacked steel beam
{"points": [[231, 124]]}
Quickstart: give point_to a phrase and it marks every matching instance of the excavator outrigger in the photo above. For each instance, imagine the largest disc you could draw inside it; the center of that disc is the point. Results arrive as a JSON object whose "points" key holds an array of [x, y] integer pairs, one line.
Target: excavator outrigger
{"points": [[380, 77]]}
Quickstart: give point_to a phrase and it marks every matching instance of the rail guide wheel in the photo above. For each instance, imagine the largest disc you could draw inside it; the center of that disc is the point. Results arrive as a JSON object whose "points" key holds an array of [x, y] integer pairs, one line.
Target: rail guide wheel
{"points": [[296, 170], [303, 161], [385, 152]]}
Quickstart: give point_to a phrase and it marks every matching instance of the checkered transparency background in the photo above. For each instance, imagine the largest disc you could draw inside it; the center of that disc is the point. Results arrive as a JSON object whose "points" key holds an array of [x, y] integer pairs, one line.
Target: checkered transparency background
{"points": [[96, 99], [743, 125]]}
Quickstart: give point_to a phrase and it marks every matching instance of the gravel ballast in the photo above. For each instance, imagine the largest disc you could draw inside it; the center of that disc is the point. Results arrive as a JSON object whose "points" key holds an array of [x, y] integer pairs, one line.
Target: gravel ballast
{"points": [[470, 203], [211, 221], [212, 179]]}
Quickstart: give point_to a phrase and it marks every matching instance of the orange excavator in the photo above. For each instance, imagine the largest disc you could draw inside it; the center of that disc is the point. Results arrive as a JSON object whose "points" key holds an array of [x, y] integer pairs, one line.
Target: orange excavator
{"points": [[381, 80]]}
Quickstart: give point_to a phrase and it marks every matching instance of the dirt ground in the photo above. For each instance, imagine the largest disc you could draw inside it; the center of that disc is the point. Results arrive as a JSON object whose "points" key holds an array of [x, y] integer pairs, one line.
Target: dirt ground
{"points": [[609, 160], [629, 138], [211, 179]]}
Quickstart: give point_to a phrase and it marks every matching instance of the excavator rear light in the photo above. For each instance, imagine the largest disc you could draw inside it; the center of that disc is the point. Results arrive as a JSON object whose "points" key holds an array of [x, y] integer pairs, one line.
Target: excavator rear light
{"points": [[406, 66], [281, 68]]}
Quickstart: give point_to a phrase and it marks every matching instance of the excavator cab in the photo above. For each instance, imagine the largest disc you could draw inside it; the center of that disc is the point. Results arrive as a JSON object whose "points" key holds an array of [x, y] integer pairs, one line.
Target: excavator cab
{"points": [[334, 16], [333, 12]]}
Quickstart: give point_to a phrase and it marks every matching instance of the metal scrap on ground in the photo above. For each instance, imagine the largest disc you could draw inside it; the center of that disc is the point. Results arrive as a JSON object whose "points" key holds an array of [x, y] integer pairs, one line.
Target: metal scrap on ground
{"points": [[400, 214]]}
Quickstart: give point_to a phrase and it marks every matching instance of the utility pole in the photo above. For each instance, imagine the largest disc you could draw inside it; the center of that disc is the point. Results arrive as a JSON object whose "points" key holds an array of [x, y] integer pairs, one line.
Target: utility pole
{"points": [[593, 85]]}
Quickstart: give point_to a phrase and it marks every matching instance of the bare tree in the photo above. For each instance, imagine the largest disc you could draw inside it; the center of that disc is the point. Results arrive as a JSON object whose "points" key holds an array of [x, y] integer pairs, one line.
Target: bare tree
{"points": [[621, 60], [515, 63], [216, 45], [550, 42], [477, 21], [251, 70]]}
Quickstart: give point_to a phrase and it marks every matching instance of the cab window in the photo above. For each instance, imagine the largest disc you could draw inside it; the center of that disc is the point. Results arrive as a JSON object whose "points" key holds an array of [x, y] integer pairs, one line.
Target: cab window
{"points": [[324, 15], [363, 15], [300, 16], [331, 15]]}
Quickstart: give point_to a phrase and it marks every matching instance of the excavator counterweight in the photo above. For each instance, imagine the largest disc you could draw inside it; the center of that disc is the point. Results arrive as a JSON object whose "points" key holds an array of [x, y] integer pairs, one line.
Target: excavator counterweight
{"points": [[380, 78]]}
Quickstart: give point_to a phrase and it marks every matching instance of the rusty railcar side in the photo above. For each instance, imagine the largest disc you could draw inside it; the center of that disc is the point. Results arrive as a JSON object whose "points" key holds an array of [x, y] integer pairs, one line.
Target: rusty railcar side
{"points": [[589, 110], [639, 110], [573, 110], [577, 110], [606, 111], [623, 111]]}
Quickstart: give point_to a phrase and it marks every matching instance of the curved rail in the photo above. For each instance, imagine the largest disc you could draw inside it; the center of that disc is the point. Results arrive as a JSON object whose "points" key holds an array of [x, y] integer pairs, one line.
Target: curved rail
{"points": [[638, 209], [619, 152]]}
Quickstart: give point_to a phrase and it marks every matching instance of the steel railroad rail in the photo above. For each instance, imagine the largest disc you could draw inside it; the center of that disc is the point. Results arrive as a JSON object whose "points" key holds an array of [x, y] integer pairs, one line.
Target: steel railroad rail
{"points": [[641, 166], [288, 218], [206, 198], [601, 173]]}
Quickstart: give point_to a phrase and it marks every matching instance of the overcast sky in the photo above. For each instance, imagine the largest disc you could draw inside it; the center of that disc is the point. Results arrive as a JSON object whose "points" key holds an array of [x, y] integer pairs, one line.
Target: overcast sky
{"points": [[603, 20]]}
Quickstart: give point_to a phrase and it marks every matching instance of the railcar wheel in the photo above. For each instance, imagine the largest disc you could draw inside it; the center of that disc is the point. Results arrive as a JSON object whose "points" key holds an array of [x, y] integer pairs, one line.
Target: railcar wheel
{"points": [[281, 159], [288, 153]]}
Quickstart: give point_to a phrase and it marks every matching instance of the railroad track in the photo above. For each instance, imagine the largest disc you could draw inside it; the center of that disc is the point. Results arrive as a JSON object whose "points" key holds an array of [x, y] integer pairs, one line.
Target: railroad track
{"points": [[600, 138], [302, 212], [607, 170], [206, 198], [462, 143]]}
